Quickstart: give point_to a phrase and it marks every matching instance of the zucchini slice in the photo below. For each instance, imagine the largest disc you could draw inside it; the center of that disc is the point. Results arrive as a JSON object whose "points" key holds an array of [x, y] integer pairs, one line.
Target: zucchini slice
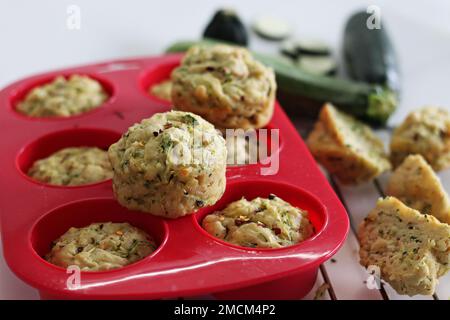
{"points": [[289, 49], [321, 65], [271, 28], [295, 48], [312, 47]]}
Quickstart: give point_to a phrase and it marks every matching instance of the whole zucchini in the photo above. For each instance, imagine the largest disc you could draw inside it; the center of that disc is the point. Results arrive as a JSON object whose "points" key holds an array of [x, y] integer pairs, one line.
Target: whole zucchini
{"points": [[226, 25], [369, 55], [305, 93]]}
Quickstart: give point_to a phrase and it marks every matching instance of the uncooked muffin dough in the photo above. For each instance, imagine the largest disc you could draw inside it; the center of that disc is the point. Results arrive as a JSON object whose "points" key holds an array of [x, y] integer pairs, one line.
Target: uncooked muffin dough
{"points": [[72, 167], [260, 223], [411, 249], [346, 147], [162, 90], [63, 97], [425, 132], [169, 165], [101, 246], [415, 184], [225, 85]]}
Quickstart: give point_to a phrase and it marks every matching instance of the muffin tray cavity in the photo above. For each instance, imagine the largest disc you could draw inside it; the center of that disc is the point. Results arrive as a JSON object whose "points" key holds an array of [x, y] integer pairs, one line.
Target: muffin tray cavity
{"points": [[188, 261]]}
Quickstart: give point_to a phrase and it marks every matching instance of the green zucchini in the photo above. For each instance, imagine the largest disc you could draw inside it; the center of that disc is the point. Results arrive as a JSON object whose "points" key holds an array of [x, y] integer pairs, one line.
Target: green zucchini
{"points": [[226, 26], [369, 55], [305, 93]]}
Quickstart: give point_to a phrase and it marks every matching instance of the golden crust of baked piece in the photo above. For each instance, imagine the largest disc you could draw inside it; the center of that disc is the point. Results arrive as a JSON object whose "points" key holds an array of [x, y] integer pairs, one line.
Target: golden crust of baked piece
{"points": [[426, 132], [415, 184], [411, 249], [346, 147]]}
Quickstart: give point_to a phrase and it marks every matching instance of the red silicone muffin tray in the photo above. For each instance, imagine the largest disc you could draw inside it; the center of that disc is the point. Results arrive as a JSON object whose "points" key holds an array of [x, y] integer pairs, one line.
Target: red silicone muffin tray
{"points": [[188, 261]]}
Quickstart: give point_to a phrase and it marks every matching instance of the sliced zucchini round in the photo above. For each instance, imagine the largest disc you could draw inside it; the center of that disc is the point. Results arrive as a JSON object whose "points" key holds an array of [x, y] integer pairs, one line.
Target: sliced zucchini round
{"points": [[271, 28], [320, 65], [289, 49], [312, 47]]}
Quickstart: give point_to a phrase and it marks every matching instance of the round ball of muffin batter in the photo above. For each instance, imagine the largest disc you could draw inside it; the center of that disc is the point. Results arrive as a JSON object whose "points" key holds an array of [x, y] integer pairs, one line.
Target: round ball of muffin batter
{"points": [[169, 165], [226, 86]]}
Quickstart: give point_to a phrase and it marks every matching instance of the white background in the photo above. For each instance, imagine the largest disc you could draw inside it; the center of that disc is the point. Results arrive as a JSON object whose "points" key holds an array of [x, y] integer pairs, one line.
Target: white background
{"points": [[35, 38]]}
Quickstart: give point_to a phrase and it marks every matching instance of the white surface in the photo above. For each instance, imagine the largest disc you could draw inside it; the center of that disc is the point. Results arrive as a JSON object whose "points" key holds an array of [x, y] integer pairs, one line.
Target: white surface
{"points": [[35, 38]]}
